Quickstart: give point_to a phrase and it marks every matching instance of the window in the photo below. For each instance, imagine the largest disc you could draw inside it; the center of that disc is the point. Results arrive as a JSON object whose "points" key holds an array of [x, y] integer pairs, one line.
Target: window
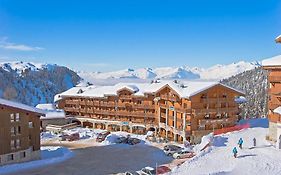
{"points": [[18, 131], [12, 117], [13, 145], [10, 157], [30, 124], [18, 143], [13, 131], [17, 117]]}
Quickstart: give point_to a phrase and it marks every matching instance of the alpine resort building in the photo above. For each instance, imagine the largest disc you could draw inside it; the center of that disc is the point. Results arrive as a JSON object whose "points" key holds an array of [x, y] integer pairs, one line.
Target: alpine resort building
{"points": [[174, 110], [19, 132]]}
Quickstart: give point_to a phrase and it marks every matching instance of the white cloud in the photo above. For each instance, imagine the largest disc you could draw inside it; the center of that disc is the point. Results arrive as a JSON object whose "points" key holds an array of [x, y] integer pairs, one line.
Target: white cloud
{"points": [[4, 44]]}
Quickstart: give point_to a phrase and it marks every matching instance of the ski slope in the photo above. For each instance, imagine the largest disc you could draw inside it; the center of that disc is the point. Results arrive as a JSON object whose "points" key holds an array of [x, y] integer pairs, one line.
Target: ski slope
{"points": [[263, 159]]}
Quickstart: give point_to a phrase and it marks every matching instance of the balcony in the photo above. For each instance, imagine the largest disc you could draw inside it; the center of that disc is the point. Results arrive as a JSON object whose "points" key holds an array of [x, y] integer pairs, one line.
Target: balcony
{"points": [[216, 110], [216, 100], [70, 109], [90, 103], [72, 102], [82, 102], [218, 120], [143, 106], [125, 97], [274, 91], [273, 105], [183, 110], [275, 79], [274, 118], [168, 98]]}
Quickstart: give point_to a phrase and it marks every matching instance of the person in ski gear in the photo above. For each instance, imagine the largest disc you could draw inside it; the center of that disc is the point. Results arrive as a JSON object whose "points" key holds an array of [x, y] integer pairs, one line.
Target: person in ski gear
{"points": [[234, 151], [240, 142], [254, 142]]}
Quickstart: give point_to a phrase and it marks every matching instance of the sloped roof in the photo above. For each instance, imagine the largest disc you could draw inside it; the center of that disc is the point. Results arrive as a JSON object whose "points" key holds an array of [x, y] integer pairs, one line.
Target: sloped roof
{"points": [[51, 111], [277, 110], [274, 61], [183, 89], [21, 106]]}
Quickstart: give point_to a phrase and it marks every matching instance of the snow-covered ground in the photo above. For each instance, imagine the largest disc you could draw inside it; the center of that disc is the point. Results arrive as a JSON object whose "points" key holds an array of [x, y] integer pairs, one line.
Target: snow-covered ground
{"points": [[49, 155], [262, 159], [86, 134]]}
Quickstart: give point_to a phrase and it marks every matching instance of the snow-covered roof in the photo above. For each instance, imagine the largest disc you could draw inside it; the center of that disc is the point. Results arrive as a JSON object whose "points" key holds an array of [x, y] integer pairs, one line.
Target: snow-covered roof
{"points": [[21, 106], [274, 61], [277, 110], [48, 106], [51, 111], [183, 89]]}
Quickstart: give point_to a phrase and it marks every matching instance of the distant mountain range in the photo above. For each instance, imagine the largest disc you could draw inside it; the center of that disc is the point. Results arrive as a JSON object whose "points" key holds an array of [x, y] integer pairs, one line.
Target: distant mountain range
{"points": [[33, 83], [216, 72]]}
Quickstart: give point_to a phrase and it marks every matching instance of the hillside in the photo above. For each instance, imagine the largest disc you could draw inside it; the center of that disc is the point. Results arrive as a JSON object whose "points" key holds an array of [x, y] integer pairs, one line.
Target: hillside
{"points": [[31, 83], [254, 84]]}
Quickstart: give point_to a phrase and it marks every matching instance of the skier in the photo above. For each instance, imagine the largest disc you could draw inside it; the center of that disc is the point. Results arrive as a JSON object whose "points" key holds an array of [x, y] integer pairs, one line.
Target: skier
{"points": [[240, 142], [235, 152], [255, 142]]}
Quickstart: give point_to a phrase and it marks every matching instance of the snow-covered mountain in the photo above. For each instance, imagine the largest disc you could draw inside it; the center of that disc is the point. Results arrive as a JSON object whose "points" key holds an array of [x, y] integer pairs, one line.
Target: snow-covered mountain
{"points": [[32, 83], [216, 72]]}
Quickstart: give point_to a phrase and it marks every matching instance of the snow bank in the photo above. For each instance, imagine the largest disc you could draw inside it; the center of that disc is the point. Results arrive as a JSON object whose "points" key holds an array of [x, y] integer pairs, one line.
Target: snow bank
{"points": [[49, 155], [206, 142], [262, 159]]}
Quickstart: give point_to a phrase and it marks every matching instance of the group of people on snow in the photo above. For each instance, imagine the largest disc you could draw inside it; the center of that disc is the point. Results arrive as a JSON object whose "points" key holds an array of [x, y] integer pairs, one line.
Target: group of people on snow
{"points": [[240, 143]]}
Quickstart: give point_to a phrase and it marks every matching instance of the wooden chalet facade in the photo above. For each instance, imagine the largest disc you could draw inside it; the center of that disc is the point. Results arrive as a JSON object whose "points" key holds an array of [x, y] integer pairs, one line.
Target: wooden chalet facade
{"points": [[19, 132], [274, 98], [175, 111]]}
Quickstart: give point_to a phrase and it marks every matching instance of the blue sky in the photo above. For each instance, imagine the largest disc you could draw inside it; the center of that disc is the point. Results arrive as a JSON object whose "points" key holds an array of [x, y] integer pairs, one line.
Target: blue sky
{"points": [[111, 35]]}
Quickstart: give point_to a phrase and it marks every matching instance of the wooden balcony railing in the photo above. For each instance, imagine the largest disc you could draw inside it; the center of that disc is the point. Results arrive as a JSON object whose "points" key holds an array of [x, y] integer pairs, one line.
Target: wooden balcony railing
{"points": [[216, 110], [71, 102], [218, 120], [216, 100], [188, 110], [275, 79], [144, 106], [275, 91], [82, 102], [125, 97], [168, 98], [274, 118]]}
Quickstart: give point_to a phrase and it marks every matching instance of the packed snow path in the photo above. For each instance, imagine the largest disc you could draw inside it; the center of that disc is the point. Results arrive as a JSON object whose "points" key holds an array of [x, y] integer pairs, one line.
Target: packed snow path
{"points": [[263, 159]]}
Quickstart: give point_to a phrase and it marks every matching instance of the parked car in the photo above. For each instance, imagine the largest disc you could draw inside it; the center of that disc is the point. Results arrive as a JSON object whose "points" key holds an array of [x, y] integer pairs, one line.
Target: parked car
{"points": [[71, 137], [163, 170], [101, 137], [169, 150], [122, 139], [133, 141], [147, 171], [183, 154]]}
